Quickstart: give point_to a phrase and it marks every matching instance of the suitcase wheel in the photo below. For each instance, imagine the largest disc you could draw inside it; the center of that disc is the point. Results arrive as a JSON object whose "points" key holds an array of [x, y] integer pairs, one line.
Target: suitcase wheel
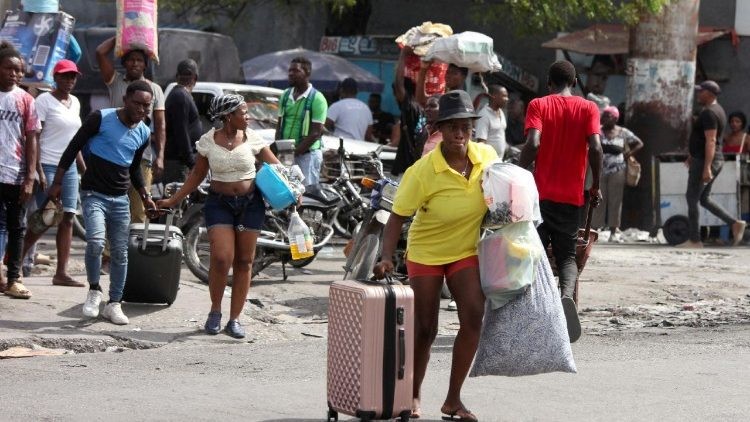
{"points": [[333, 416]]}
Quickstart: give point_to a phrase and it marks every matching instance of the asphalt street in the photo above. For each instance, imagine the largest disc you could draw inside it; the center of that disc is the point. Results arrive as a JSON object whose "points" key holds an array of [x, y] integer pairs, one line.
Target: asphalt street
{"points": [[661, 342]]}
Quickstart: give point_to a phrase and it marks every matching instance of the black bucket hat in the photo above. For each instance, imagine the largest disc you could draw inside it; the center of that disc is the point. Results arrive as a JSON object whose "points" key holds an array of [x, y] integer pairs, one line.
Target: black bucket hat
{"points": [[456, 105]]}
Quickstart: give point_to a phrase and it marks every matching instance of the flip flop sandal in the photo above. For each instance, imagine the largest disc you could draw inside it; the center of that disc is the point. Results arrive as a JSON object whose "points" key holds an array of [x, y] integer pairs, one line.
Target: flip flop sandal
{"points": [[18, 291], [67, 283], [462, 414]]}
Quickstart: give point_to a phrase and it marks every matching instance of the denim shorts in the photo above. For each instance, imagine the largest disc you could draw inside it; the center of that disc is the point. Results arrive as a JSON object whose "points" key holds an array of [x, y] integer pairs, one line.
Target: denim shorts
{"points": [[69, 191], [243, 212]]}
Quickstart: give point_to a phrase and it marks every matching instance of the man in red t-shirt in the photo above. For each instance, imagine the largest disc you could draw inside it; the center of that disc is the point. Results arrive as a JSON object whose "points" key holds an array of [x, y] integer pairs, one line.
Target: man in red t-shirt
{"points": [[562, 130]]}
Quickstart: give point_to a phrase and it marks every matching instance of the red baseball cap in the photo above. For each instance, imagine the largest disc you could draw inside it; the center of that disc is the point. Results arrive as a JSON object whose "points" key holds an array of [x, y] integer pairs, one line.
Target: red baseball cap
{"points": [[65, 66]]}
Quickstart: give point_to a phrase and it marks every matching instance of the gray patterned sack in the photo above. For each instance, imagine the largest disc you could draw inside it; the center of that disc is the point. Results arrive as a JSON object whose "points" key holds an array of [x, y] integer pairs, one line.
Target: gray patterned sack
{"points": [[527, 336]]}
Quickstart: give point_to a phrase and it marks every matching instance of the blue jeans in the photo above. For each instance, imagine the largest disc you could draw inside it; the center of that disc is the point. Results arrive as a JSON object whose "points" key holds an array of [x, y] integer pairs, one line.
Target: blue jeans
{"points": [[69, 191], [310, 165], [110, 216]]}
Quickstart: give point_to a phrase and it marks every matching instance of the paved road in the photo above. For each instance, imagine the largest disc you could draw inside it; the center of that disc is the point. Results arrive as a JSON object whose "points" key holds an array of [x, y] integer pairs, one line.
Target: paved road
{"points": [[686, 374], [696, 366]]}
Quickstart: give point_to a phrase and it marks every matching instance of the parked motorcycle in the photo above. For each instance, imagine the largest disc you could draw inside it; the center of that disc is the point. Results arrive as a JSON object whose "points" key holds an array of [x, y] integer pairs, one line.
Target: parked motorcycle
{"points": [[273, 243], [347, 217], [366, 245]]}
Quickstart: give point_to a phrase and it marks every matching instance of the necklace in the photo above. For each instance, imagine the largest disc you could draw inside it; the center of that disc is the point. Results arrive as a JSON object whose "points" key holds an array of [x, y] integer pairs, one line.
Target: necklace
{"points": [[230, 139], [466, 166]]}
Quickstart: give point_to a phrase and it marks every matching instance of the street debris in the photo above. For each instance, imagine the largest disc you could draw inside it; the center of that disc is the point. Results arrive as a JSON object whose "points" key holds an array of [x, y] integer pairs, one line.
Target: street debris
{"points": [[27, 352], [700, 314], [256, 302]]}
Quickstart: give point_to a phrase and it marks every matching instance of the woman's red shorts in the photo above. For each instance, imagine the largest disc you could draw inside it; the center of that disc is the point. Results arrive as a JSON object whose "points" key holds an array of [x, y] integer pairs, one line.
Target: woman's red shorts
{"points": [[445, 270]]}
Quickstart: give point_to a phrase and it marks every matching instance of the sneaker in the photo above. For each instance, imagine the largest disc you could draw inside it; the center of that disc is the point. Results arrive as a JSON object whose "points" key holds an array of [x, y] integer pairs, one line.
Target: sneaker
{"points": [[738, 232], [616, 237], [113, 312], [234, 329], [91, 306], [213, 323], [571, 317], [452, 305]]}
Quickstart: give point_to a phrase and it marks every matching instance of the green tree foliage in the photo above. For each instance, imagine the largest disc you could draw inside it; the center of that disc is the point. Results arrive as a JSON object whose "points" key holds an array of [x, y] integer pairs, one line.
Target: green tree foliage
{"points": [[214, 11], [533, 16]]}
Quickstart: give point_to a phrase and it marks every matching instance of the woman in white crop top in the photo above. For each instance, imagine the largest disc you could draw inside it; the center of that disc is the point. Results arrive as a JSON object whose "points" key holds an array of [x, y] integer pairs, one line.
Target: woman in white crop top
{"points": [[234, 210]]}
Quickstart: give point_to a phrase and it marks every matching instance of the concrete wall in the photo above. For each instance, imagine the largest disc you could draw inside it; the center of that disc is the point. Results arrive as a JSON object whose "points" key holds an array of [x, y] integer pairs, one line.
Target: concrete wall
{"points": [[721, 61]]}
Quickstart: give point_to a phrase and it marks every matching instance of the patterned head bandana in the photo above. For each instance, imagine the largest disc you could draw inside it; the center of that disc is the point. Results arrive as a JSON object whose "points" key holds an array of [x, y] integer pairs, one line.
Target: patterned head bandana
{"points": [[224, 104]]}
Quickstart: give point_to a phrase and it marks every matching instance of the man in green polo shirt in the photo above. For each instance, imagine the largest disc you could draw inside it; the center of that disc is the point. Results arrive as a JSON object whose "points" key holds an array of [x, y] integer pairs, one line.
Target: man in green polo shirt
{"points": [[302, 113]]}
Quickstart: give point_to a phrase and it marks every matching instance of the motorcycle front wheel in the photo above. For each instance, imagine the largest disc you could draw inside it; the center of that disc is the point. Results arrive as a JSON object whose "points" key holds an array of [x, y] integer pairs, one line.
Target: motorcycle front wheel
{"points": [[364, 258], [197, 252]]}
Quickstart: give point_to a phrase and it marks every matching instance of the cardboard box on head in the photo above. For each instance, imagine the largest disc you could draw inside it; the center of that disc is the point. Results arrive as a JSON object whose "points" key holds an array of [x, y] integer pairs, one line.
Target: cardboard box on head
{"points": [[41, 38]]}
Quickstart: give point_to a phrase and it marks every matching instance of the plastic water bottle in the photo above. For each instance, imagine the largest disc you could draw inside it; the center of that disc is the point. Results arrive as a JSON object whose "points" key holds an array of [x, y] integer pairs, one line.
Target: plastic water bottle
{"points": [[300, 238]]}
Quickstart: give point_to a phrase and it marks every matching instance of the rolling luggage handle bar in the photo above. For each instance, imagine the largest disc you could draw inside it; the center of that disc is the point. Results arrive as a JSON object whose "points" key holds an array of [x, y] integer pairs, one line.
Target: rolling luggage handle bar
{"points": [[387, 280], [165, 242]]}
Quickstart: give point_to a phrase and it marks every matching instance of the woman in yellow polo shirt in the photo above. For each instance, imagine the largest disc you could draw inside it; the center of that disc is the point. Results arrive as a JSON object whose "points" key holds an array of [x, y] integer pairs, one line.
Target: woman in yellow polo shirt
{"points": [[444, 190]]}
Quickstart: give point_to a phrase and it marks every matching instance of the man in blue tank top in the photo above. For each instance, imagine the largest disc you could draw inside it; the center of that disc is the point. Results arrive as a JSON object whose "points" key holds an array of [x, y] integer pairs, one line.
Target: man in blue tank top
{"points": [[112, 141]]}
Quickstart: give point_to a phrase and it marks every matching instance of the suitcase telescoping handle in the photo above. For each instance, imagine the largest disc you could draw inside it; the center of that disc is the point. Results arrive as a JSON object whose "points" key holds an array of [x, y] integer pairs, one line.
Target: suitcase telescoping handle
{"points": [[165, 242], [401, 353], [372, 280]]}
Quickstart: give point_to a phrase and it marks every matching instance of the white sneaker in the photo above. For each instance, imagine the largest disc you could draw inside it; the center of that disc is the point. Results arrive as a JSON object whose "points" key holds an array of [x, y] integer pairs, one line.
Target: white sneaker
{"points": [[91, 306], [616, 238], [452, 306], [113, 312]]}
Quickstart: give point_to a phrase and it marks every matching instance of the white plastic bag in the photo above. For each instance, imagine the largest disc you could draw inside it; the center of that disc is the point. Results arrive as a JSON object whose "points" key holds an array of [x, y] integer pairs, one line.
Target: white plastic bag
{"points": [[527, 336], [507, 260], [420, 38], [468, 49], [510, 194]]}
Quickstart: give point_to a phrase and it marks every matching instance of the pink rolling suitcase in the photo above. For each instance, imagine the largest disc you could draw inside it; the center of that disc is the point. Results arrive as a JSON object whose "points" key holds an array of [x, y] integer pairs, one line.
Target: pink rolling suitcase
{"points": [[370, 350]]}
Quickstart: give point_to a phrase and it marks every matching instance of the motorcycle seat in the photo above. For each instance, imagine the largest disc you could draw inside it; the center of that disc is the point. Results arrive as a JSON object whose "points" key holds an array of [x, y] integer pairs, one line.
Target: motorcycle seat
{"points": [[325, 196]]}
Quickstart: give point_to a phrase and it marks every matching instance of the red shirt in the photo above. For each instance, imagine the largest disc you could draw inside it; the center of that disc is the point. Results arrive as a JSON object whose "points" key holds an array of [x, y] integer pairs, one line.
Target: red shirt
{"points": [[565, 124]]}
